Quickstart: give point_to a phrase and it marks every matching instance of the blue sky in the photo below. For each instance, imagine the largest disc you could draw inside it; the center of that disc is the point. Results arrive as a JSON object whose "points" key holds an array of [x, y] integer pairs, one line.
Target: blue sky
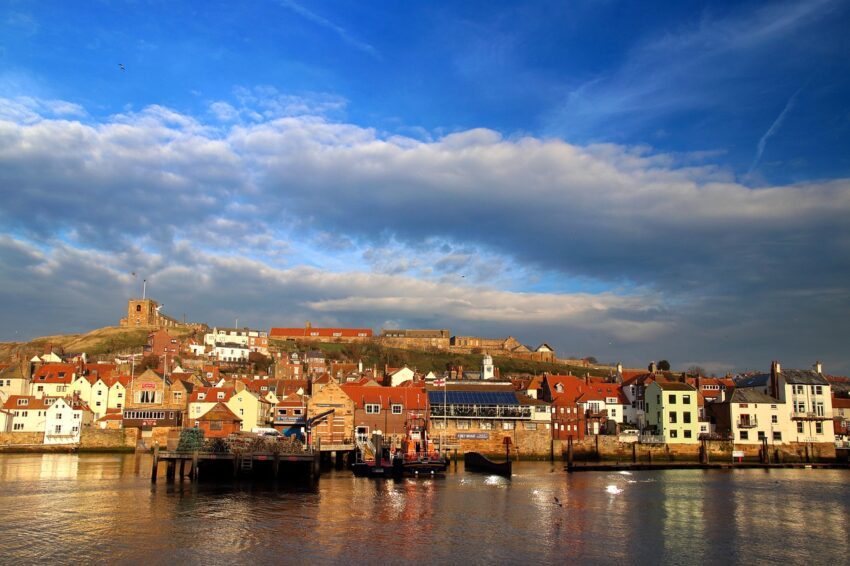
{"points": [[634, 180]]}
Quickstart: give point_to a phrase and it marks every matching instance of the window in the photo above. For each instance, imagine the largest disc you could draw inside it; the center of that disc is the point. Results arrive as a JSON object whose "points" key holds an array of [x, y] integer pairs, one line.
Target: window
{"points": [[296, 411], [99, 392], [216, 425], [58, 416], [508, 425], [220, 395], [819, 428], [745, 435], [22, 402], [777, 436], [673, 416], [19, 426], [761, 435], [202, 396], [58, 429], [463, 425], [773, 407], [147, 397], [486, 425], [687, 434], [671, 399], [178, 395], [530, 426], [674, 434], [138, 308], [75, 429], [799, 428], [774, 419], [817, 389], [686, 399], [373, 409], [686, 417], [241, 412], [120, 395], [281, 412], [97, 404], [397, 409]]}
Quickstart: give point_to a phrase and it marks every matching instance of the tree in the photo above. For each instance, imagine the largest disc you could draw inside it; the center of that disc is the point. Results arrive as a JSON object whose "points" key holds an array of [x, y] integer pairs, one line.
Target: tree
{"points": [[259, 362], [664, 365], [151, 361]]}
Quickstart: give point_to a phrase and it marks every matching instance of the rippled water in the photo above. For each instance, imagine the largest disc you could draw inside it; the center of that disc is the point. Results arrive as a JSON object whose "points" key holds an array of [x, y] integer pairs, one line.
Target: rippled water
{"points": [[102, 508]]}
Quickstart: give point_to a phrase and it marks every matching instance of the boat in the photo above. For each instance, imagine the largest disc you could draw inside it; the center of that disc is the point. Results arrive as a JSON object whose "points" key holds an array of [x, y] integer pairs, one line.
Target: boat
{"points": [[475, 462], [416, 456]]}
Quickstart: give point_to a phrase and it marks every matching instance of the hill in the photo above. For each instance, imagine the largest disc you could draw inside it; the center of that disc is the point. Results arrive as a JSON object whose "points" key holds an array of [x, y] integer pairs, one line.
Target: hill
{"points": [[110, 340], [372, 354]]}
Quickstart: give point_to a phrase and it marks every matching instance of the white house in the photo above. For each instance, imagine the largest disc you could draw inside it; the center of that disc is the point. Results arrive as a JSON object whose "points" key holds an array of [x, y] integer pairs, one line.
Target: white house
{"points": [[806, 397], [400, 376], [25, 413], [65, 421]]}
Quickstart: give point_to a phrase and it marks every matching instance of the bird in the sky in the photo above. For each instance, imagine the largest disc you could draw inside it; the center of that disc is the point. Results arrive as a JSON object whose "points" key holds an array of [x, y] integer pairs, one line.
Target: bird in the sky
{"points": [[121, 66]]}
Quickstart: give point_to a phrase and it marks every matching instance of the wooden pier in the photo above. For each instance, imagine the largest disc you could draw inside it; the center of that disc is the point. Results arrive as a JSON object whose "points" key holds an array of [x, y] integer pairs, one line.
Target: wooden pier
{"points": [[256, 465]]}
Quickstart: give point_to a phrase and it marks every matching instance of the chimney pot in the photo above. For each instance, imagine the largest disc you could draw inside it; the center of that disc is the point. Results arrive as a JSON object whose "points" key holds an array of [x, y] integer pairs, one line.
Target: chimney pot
{"points": [[818, 367]]}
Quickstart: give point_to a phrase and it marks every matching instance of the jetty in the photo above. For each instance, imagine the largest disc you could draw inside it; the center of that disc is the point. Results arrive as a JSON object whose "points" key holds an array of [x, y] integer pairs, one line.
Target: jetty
{"points": [[235, 465]]}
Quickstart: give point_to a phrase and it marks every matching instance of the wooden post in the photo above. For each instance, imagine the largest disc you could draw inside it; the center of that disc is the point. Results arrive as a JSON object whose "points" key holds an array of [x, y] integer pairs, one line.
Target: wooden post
{"points": [[182, 468], [569, 453], [194, 474], [235, 462], [634, 452], [598, 457], [276, 465], [455, 459], [170, 468], [155, 466]]}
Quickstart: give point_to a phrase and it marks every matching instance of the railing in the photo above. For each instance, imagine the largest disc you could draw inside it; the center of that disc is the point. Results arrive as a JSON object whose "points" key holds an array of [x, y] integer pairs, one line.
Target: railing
{"points": [[652, 439], [748, 423], [722, 436], [810, 416], [475, 412], [627, 438]]}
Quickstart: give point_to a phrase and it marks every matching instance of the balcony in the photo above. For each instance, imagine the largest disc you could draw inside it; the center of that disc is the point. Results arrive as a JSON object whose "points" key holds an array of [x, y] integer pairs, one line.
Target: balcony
{"points": [[482, 412], [597, 413], [809, 416], [751, 422]]}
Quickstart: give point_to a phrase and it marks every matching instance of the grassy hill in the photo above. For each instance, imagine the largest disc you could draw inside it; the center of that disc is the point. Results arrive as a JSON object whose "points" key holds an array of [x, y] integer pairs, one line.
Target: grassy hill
{"points": [[436, 360], [105, 341]]}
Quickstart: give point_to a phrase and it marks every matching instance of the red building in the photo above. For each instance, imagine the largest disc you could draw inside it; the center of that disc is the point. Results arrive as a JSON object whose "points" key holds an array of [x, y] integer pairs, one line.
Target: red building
{"points": [[313, 334], [161, 342], [219, 422], [386, 409], [568, 418]]}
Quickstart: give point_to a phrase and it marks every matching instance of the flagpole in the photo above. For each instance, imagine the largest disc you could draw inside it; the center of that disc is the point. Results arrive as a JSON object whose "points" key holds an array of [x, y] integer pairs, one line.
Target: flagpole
{"points": [[445, 417]]}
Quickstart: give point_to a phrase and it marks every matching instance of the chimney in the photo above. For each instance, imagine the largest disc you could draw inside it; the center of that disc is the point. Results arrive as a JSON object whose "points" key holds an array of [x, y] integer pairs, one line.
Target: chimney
{"points": [[818, 367], [360, 366], [308, 326], [652, 367], [775, 370], [620, 368]]}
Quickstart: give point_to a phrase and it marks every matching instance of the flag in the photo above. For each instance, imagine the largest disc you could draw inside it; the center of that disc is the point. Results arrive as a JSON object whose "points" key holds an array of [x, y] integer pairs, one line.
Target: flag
{"points": [[440, 382]]}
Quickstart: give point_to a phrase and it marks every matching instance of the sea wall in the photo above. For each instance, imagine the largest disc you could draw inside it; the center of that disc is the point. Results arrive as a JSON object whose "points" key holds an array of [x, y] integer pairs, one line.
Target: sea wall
{"points": [[94, 439], [608, 448]]}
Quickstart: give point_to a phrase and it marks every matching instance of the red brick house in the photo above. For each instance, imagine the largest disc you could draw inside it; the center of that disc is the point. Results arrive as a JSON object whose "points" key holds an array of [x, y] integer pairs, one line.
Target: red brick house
{"points": [[219, 422], [386, 409], [568, 417]]}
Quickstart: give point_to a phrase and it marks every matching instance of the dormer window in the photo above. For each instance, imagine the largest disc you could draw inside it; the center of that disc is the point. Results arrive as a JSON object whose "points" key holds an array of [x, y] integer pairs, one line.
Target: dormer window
{"points": [[220, 395], [559, 388], [202, 396], [23, 402]]}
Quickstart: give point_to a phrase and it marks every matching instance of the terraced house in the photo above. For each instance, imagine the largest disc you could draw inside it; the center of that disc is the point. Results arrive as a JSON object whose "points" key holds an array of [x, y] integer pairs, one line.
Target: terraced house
{"points": [[672, 412]]}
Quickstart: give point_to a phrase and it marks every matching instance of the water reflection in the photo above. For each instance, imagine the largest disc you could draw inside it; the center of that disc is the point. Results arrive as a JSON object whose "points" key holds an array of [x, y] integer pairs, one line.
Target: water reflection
{"points": [[102, 508]]}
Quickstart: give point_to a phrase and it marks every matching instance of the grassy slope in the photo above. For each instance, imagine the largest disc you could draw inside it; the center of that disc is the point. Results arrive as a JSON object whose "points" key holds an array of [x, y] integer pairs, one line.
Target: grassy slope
{"points": [[103, 341], [374, 354]]}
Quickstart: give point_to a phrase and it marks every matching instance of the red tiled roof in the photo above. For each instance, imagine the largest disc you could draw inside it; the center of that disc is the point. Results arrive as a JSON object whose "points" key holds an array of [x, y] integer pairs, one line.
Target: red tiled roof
{"points": [[210, 394], [320, 332], [410, 397], [601, 391], [49, 373], [840, 403], [32, 403]]}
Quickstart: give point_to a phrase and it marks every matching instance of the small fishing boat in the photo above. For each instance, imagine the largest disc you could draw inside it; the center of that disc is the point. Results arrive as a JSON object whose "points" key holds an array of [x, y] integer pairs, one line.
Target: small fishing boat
{"points": [[416, 457], [475, 462]]}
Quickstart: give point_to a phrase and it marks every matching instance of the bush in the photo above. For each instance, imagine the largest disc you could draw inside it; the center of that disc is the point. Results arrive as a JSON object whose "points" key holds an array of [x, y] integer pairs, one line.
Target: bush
{"points": [[191, 439]]}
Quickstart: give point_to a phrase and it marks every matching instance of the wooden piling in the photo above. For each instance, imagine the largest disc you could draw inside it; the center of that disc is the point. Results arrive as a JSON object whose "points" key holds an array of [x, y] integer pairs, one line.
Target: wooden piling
{"points": [[276, 465], [170, 468], [182, 469], [194, 474], [569, 453], [155, 465]]}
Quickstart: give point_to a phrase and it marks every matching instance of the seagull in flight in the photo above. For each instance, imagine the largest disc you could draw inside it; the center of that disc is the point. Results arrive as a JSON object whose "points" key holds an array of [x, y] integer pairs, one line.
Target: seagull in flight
{"points": [[121, 66]]}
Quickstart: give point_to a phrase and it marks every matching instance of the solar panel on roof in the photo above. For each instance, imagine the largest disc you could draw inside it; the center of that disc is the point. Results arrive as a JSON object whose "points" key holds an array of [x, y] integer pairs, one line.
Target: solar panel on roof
{"points": [[472, 397]]}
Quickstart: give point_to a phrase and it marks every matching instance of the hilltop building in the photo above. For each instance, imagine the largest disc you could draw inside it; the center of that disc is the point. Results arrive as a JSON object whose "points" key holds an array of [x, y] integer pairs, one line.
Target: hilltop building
{"points": [[415, 339], [146, 312], [315, 334]]}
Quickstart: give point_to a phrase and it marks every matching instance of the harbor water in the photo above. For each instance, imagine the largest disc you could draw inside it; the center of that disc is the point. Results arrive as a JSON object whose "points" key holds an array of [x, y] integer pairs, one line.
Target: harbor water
{"points": [[98, 508]]}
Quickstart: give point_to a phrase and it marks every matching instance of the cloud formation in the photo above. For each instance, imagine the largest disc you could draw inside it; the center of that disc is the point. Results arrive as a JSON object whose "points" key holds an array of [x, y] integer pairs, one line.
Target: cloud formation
{"points": [[617, 251]]}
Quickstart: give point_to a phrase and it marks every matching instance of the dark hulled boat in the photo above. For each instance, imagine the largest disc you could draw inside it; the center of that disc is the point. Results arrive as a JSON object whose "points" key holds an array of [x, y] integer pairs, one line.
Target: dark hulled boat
{"points": [[475, 462]]}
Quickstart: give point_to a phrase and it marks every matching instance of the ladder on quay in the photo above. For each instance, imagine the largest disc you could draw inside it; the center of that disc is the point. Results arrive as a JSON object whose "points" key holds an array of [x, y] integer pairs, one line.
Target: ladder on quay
{"points": [[246, 464]]}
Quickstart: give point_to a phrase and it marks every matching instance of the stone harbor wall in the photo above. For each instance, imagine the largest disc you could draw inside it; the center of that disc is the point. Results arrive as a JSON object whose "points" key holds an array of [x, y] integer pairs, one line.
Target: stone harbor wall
{"points": [[608, 448]]}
